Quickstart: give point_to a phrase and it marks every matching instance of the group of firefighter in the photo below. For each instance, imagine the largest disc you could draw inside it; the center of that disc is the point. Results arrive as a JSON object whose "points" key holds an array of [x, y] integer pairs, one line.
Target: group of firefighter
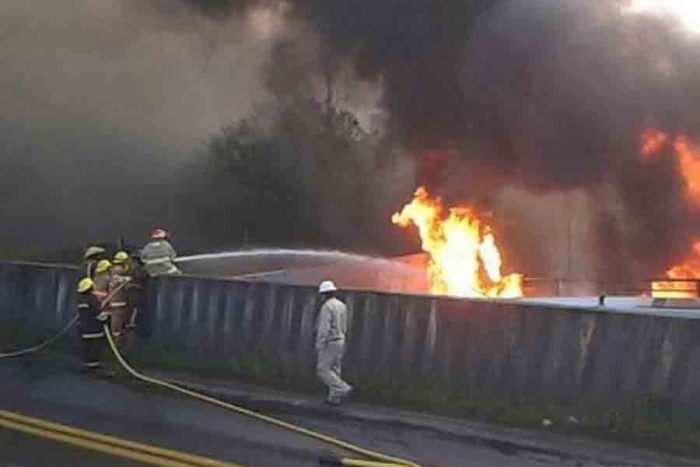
{"points": [[110, 293], [111, 290]]}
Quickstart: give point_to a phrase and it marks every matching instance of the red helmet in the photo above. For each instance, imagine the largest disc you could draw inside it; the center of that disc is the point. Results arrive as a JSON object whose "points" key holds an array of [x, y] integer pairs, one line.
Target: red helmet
{"points": [[159, 234]]}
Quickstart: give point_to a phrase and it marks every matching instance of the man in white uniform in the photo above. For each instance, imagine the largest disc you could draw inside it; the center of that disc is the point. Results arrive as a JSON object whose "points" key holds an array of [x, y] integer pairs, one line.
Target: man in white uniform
{"points": [[331, 330]]}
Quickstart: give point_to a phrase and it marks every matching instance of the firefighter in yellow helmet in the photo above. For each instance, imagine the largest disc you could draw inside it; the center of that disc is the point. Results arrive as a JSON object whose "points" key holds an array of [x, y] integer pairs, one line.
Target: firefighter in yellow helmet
{"points": [[101, 278], [119, 306], [90, 319], [121, 263]]}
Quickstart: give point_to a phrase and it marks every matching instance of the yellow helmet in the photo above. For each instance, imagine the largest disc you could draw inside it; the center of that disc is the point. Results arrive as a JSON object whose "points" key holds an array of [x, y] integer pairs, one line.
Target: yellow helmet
{"points": [[103, 266], [120, 257], [85, 285]]}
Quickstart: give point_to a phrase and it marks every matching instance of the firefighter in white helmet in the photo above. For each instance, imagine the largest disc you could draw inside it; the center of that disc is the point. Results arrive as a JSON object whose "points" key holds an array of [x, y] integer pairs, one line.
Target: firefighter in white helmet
{"points": [[158, 256], [331, 330], [90, 259]]}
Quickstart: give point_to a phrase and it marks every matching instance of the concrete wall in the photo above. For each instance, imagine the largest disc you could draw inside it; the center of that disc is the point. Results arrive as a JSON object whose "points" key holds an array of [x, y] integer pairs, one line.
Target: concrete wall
{"points": [[521, 352], [38, 295]]}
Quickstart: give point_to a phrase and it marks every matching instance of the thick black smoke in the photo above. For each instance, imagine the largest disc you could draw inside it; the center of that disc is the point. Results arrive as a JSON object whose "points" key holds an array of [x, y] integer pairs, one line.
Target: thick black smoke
{"points": [[544, 95], [539, 94]]}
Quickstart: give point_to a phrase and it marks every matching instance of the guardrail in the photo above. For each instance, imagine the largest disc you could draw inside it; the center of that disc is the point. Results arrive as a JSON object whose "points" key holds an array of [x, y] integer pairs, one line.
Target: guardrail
{"points": [[505, 349], [562, 287]]}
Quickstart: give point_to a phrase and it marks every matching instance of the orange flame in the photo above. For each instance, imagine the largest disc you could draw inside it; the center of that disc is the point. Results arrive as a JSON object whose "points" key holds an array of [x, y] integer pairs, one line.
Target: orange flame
{"points": [[688, 157], [688, 269], [689, 160], [653, 141], [464, 258]]}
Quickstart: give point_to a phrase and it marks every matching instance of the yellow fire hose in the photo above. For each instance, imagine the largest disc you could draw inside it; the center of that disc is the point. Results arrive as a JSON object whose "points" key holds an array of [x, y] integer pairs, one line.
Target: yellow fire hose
{"points": [[64, 330], [378, 459]]}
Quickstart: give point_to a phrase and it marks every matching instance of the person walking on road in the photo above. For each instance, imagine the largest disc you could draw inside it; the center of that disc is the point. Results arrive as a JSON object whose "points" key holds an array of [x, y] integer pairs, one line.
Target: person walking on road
{"points": [[331, 331], [158, 256]]}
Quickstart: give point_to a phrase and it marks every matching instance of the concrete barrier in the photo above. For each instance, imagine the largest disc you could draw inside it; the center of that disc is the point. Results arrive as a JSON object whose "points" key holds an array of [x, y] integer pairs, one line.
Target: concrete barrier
{"points": [[519, 352], [37, 294]]}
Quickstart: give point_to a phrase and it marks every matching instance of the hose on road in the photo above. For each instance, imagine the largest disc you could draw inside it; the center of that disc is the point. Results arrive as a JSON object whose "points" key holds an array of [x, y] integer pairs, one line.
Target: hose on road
{"points": [[383, 460], [378, 459]]}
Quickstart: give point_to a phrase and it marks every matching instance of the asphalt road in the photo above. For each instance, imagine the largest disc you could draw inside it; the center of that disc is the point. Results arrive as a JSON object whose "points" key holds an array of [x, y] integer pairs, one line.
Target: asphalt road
{"points": [[60, 393]]}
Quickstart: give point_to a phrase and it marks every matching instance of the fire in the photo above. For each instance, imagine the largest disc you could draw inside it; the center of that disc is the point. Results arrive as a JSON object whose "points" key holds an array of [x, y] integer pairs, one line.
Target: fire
{"points": [[653, 141], [687, 155], [688, 269], [464, 258], [689, 160]]}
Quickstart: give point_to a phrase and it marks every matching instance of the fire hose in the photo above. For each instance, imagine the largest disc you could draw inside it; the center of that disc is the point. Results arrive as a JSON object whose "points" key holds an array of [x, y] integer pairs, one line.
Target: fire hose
{"points": [[378, 459], [63, 331]]}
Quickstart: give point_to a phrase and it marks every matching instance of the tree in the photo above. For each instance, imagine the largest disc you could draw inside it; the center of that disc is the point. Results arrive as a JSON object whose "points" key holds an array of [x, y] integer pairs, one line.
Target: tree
{"points": [[300, 170]]}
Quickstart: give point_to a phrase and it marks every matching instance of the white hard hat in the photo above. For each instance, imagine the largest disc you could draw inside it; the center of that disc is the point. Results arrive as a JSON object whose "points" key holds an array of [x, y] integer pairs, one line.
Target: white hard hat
{"points": [[159, 234], [327, 286]]}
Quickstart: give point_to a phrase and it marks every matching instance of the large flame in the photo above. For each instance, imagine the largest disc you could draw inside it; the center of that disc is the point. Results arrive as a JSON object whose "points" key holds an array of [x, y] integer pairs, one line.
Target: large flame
{"points": [[687, 155], [464, 259]]}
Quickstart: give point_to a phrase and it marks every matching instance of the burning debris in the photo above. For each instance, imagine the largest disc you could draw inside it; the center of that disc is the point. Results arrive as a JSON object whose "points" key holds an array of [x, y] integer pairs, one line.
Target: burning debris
{"points": [[464, 258]]}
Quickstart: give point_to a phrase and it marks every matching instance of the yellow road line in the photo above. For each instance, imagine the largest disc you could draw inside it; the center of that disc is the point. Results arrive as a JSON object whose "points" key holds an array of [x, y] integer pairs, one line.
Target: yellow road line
{"points": [[118, 447], [362, 463]]}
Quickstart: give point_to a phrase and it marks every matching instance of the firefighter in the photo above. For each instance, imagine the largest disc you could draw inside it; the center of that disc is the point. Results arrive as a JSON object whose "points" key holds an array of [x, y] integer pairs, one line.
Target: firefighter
{"points": [[119, 306], [123, 267], [158, 256], [331, 330], [90, 319], [90, 258], [121, 263], [101, 278]]}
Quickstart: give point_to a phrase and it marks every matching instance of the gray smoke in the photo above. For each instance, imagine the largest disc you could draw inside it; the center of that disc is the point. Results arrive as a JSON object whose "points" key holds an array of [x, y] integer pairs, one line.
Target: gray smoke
{"points": [[102, 104], [542, 95]]}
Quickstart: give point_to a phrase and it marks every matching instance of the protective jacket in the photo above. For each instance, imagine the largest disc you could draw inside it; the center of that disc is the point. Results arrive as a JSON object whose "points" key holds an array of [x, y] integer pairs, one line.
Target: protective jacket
{"points": [[89, 266], [158, 258], [102, 280], [332, 322], [88, 309]]}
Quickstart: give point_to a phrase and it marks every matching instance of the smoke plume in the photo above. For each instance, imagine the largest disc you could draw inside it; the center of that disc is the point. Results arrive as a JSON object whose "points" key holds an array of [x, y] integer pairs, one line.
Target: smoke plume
{"points": [[542, 95], [539, 95], [101, 104]]}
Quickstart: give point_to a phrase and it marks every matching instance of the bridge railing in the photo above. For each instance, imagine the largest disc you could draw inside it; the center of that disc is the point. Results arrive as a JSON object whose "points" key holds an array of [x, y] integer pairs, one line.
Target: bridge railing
{"points": [[466, 347], [563, 287]]}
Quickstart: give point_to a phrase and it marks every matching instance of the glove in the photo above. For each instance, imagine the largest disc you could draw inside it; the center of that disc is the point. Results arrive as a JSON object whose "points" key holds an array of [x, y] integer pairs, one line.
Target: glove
{"points": [[103, 317]]}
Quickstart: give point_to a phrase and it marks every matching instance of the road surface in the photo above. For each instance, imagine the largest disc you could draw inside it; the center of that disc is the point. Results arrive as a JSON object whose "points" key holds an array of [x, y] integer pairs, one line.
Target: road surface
{"points": [[58, 392]]}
